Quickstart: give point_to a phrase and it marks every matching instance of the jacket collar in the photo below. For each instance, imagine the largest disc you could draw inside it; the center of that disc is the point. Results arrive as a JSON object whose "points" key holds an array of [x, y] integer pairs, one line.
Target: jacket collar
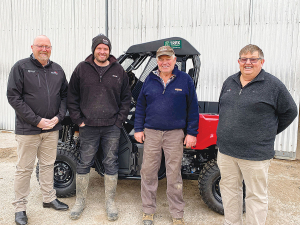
{"points": [[259, 77], [37, 63]]}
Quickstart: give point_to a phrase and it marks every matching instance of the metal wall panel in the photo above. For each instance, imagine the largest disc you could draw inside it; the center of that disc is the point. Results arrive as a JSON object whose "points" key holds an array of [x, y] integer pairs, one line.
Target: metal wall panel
{"points": [[218, 29], [275, 28], [70, 25]]}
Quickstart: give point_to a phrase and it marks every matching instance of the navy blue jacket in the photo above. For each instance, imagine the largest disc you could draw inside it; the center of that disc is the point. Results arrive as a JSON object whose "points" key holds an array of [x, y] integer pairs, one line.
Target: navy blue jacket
{"points": [[251, 116], [175, 107]]}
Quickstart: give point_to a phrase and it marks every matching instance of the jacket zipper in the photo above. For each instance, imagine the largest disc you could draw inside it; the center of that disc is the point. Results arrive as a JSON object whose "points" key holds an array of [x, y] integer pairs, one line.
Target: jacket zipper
{"points": [[38, 75], [165, 86], [47, 91], [98, 72]]}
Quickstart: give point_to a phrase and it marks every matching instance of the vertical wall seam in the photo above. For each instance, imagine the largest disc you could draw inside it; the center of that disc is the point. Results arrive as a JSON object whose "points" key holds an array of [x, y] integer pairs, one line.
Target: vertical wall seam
{"points": [[41, 15], [12, 27], [250, 21], [74, 25], [106, 18]]}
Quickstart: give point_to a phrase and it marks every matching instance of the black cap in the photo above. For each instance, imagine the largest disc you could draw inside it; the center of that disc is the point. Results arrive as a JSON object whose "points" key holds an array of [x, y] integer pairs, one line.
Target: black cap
{"points": [[100, 39]]}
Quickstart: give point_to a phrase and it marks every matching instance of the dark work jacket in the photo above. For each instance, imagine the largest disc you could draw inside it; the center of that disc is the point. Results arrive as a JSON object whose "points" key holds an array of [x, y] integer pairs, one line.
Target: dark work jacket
{"points": [[99, 100], [36, 92], [251, 116]]}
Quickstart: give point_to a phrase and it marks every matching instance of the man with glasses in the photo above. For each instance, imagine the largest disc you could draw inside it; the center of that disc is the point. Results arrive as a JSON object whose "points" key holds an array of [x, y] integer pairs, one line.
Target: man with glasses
{"points": [[37, 90], [254, 106]]}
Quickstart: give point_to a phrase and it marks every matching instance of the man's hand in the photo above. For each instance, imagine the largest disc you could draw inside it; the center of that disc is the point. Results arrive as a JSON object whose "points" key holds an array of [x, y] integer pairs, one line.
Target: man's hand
{"points": [[139, 136], [82, 124], [190, 141], [44, 123], [51, 123]]}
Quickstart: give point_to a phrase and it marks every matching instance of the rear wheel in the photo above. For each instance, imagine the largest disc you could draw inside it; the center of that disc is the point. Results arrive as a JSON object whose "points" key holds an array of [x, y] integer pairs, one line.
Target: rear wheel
{"points": [[208, 183], [209, 186], [64, 173]]}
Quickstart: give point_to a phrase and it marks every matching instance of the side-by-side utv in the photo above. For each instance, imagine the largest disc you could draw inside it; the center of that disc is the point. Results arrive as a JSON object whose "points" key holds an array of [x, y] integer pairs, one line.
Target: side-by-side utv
{"points": [[198, 162]]}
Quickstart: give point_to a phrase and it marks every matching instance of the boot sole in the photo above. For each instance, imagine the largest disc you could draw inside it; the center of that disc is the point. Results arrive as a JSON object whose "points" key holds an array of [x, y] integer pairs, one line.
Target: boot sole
{"points": [[112, 219]]}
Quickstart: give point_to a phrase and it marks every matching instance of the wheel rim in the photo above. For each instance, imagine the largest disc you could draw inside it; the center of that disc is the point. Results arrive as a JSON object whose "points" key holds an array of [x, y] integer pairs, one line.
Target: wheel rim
{"points": [[63, 174], [216, 189]]}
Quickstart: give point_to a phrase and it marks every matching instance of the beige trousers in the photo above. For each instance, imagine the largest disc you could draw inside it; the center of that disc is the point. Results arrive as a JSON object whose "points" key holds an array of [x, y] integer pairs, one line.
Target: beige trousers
{"points": [[255, 175], [43, 146], [172, 144]]}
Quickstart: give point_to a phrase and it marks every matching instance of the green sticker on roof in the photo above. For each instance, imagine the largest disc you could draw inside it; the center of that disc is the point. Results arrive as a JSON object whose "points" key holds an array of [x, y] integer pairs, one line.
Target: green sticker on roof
{"points": [[173, 44]]}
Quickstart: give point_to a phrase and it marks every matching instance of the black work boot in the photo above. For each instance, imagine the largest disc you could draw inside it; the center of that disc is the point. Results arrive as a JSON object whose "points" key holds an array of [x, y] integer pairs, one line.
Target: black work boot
{"points": [[21, 218]]}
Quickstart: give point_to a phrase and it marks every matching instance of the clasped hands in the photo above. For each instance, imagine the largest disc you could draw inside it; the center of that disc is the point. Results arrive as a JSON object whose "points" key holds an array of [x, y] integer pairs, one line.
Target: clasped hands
{"points": [[47, 124]]}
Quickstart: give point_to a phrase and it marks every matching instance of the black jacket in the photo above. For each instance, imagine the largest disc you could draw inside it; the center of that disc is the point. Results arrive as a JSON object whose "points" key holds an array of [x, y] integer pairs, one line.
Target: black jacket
{"points": [[36, 92], [99, 101], [250, 117]]}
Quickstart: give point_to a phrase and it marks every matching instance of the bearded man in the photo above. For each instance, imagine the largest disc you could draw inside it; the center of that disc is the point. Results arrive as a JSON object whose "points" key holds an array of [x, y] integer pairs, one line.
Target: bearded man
{"points": [[98, 101]]}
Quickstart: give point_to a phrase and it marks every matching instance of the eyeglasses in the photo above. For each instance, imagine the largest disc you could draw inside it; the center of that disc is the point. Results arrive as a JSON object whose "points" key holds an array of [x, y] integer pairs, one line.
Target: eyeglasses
{"points": [[43, 46], [252, 60]]}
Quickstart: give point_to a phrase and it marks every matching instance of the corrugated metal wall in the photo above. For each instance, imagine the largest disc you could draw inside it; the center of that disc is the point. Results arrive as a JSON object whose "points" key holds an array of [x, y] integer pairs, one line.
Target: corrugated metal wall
{"points": [[218, 29], [70, 25]]}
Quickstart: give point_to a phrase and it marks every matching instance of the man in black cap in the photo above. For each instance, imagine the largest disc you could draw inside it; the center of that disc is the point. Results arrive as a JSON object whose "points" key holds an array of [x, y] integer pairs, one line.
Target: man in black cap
{"points": [[98, 101]]}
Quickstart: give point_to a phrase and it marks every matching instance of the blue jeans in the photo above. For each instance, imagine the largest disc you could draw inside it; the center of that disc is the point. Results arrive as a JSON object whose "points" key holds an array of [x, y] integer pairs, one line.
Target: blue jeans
{"points": [[90, 138]]}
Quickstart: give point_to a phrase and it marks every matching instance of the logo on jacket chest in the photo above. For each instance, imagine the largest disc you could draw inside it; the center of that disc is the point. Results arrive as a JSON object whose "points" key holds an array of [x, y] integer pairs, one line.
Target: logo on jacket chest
{"points": [[54, 72]]}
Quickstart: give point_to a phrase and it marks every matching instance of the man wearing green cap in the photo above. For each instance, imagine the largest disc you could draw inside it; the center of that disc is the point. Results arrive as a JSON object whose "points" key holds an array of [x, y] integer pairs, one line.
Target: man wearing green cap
{"points": [[98, 101]]}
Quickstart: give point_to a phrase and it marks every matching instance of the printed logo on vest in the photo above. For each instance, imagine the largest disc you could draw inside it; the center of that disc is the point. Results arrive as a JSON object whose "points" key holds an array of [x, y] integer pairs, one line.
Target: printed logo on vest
{"points": [[178, 89], [114, 75], [56, 73], [31, 71]]}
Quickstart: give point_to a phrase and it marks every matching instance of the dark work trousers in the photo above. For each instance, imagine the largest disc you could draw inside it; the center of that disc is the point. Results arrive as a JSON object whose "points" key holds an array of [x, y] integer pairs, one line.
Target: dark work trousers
{"points": [[90, 138]]}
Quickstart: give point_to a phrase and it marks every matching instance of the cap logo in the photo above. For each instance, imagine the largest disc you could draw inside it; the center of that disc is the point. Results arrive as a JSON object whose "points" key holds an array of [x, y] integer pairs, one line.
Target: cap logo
{"points": [[163, 49], [105, 41]]}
